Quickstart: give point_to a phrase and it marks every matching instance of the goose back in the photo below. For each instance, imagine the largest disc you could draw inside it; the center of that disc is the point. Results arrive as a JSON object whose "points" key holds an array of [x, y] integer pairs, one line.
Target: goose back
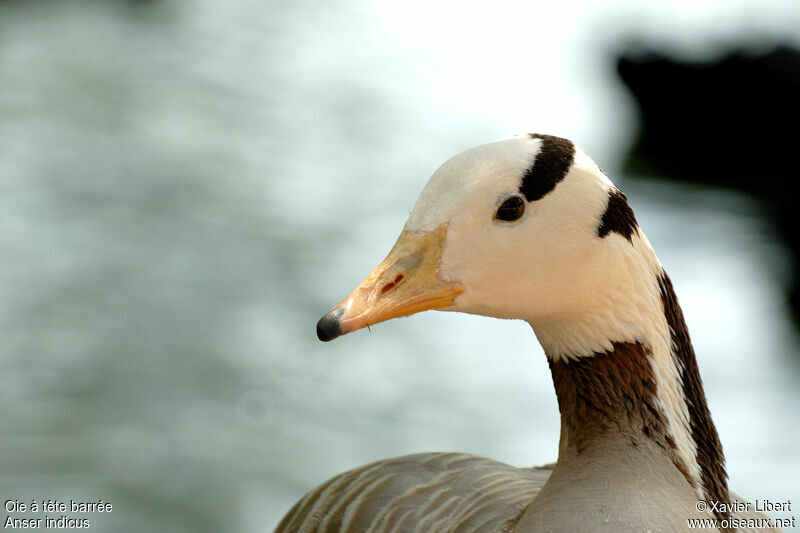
{"points": [[427, 492]]}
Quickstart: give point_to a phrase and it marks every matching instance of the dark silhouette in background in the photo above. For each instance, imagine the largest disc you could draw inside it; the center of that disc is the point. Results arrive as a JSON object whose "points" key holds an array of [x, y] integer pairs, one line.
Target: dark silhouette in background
{"points": [[732, 122]]}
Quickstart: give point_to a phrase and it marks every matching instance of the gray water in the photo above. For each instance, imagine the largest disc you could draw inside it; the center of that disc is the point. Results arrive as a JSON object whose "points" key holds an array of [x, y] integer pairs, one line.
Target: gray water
{"points": [[185, 187]]}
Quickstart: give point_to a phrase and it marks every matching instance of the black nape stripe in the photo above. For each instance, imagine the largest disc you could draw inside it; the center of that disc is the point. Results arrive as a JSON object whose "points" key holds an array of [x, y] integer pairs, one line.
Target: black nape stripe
{"points": [[709, 450], [550, 166], [618, 216]]}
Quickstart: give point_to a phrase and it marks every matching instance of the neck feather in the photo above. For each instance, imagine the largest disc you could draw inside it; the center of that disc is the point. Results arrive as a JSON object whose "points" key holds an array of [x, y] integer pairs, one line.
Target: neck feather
{"points": [[709, 456], [627, 369]]}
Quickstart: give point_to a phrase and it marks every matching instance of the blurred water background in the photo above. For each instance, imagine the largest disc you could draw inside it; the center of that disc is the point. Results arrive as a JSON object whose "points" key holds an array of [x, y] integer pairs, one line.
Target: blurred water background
{"points": [[185, 187]]}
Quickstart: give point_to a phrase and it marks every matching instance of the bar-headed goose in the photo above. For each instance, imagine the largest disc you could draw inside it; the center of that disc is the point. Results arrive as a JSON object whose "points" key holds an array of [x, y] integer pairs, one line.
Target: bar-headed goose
{"points": [[530, 228]]}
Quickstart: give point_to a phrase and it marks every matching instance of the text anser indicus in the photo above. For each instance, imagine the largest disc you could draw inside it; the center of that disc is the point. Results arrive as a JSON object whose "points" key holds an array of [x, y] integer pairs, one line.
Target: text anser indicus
{"points": [[531, 228]]}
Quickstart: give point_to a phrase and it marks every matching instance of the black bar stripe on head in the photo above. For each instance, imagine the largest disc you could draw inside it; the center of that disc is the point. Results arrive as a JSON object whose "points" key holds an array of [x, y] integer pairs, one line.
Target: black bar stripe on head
{"points": [[618, 216], [550, 166]]}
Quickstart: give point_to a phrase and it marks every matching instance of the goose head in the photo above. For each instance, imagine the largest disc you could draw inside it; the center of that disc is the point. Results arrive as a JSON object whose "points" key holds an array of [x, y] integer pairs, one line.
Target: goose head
{"points": [[531, 228], [527, 227]]}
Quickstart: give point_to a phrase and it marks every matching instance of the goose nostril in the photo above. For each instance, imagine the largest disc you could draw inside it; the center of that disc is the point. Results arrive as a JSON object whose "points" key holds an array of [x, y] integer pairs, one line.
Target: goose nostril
{"points": [[389, 286]]}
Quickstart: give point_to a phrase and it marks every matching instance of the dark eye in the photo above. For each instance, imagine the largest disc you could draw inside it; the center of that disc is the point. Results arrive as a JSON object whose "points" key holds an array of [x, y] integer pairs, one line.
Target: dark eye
{"points": [[512, 209]]}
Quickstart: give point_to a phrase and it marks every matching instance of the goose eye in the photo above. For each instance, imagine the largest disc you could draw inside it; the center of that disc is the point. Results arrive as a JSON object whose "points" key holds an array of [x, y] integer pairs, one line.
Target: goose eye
{"points": [[512, 209]]}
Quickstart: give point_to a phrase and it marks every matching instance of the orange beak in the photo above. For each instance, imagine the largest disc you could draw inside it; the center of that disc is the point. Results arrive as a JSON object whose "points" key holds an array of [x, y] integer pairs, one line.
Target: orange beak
{"points": [[406, 282]]}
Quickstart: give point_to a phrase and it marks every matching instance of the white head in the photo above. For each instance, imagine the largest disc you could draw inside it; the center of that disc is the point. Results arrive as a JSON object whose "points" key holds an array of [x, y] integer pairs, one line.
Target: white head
{"points": [[541, 264], [562, 252]]}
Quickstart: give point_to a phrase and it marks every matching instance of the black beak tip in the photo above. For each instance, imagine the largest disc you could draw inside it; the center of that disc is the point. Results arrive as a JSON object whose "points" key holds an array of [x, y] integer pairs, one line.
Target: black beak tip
{"points": [[328, 326]]}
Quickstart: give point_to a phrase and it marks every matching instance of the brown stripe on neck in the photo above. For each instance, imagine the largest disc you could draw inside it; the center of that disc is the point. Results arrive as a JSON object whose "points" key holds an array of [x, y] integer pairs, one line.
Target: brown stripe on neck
{"points": [[710, 458], [610, 394]]}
